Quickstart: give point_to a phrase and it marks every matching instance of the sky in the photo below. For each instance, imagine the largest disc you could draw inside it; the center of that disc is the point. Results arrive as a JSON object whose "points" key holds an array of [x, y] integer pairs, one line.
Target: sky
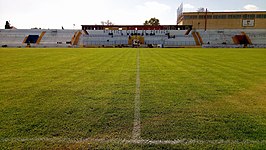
{"points": [[71, 14]]}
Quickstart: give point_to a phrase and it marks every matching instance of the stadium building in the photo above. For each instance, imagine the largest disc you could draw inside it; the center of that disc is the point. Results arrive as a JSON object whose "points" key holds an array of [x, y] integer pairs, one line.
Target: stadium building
{"points": [[223, 20]]}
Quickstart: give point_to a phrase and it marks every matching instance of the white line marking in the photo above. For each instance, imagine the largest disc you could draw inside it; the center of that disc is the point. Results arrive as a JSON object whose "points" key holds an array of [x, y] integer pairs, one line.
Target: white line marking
{"points": [[137, 128], [141, 142]]}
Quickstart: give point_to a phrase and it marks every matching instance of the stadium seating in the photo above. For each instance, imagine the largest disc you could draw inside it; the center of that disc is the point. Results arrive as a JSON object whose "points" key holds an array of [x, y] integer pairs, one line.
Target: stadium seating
{"points": [[214, 37], [166, 38], [14, 38], [224, 38], [60, 38], [43, 38], [257, 37], [112, 38]]}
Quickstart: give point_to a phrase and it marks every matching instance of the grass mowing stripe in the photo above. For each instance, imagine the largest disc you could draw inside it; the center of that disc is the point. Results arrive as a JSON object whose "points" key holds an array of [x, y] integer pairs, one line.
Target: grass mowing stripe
{"points": [[137, 127], [184, 93], [233, 64], [189, 66], [175, 85], [91, 95]]}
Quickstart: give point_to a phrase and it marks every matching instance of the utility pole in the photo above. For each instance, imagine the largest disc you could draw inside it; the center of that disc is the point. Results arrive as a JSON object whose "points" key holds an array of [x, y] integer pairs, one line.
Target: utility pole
{"points": [[206, 18]]}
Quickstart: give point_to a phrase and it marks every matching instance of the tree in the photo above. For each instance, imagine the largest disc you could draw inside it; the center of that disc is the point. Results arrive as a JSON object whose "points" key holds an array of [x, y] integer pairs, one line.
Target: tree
{"points": [[152, 22], [201, 9]]}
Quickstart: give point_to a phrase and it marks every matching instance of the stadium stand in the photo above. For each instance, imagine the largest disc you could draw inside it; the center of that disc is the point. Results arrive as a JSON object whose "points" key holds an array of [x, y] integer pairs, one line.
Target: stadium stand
{"points": [[58, 38], [16, 38], [151, 36], [126, 36], [39, 38], [257, 37], [233, 38]]}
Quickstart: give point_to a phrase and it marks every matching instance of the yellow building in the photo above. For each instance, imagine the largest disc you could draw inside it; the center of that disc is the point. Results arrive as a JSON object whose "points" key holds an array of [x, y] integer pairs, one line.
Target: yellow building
{"points": [[224, 20]]}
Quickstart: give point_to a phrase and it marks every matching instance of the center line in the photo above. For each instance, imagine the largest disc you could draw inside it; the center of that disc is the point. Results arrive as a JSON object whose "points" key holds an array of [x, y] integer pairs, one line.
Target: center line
{"points": [[137, 128]]}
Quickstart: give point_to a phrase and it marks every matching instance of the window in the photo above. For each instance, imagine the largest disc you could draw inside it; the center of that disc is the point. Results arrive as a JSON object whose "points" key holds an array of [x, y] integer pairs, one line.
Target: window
{"points": [[249, 16], [219, 16], [204, 16], [194, 17], [234, 16], [191, 17], [186, 17], [252, 16], [201, 17], [209, 17], [261, 16]]}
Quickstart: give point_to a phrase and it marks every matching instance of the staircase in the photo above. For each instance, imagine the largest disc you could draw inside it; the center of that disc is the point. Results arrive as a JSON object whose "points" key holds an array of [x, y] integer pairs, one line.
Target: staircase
{"points": [[197, 38], [75, 38], [40, 37]]}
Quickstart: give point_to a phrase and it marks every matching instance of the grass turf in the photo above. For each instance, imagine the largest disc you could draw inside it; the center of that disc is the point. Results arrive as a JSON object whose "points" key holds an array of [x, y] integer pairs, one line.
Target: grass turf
{"points": [[205, 94], [198, 94], [67, 93]]}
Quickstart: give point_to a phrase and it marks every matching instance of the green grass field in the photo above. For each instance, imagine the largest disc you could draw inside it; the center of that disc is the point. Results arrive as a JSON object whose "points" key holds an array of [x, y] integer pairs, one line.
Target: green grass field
{"points": [[85, 98]]}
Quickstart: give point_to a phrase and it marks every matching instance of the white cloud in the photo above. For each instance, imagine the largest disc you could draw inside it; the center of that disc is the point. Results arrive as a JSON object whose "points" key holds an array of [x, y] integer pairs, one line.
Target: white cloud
{"points": [[135, 14], [189, 6], [251, 7], [153, 7]]}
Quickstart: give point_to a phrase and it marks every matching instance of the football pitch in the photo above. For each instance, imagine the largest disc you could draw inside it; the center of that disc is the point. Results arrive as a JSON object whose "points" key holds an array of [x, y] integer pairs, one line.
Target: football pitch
{"points": [[132, 98]]}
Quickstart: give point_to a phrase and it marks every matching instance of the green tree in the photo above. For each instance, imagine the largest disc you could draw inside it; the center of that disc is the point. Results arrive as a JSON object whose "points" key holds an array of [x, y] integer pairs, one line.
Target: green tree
{"points": [[201, 9], [152, 22]]}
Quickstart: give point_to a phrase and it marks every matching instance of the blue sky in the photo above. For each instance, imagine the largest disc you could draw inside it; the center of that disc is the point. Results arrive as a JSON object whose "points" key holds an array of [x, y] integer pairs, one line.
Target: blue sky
{"points": [[54, 14]]}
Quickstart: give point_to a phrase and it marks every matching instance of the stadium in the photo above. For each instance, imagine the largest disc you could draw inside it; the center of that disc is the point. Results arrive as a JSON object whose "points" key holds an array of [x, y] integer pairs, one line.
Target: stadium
{"points": [[196, 84], [198, 29]]}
